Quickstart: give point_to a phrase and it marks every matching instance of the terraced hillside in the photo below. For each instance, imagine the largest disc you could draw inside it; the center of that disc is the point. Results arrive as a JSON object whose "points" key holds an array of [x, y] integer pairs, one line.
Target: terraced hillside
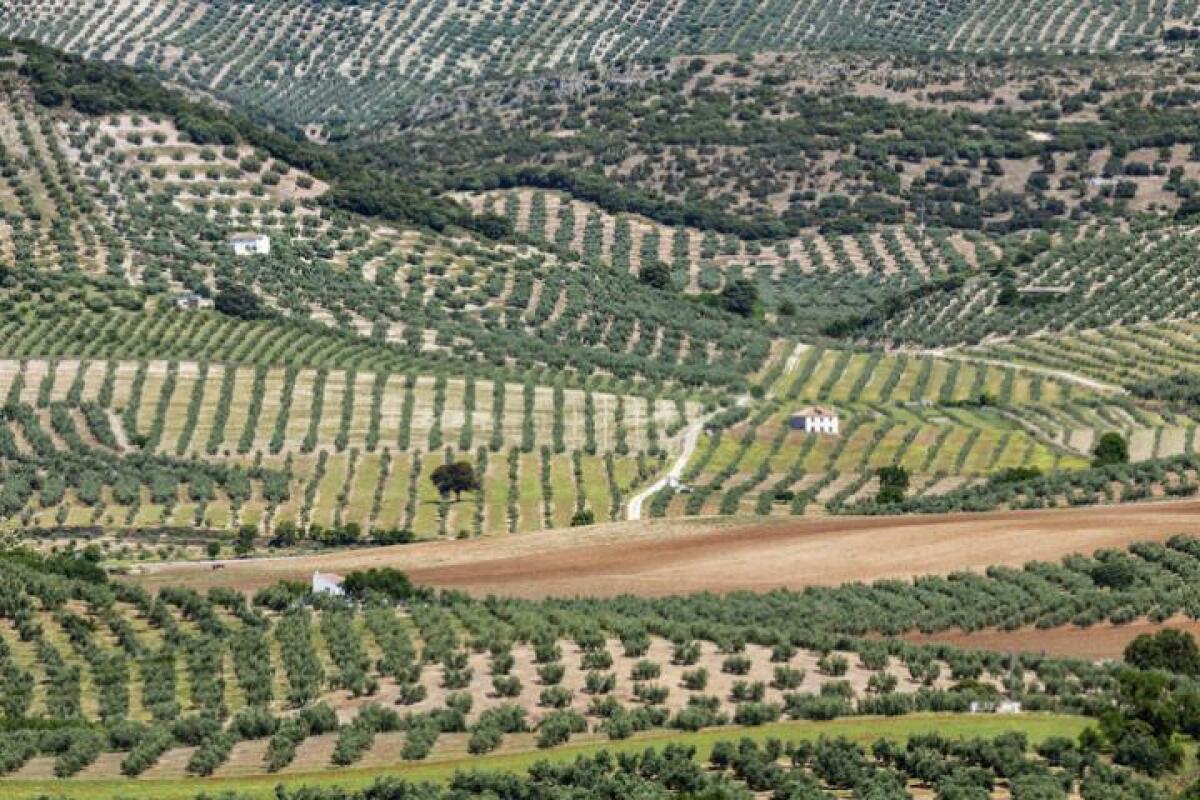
{"points": [[952, 424], [290, 289], [1092, 279], [345, 65], [364, 354], [1129, 354], [316, 447], [830, 277], [127, 197]]}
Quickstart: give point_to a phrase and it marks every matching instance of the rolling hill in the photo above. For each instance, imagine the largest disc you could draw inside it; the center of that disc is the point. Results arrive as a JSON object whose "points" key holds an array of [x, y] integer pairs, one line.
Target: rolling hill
{"points": [[344, 66], [450, 297]]}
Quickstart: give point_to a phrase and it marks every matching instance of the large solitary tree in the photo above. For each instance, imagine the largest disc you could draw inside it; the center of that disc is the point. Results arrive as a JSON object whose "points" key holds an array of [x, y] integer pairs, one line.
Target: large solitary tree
{"points": [[1111, 449], [458, 477], [1169, 650]]}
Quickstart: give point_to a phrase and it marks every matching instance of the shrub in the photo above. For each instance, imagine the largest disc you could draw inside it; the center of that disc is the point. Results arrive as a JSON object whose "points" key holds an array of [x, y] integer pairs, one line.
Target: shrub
{"points": [[253, 723], [281, 750], [651, 694], [1110, 449], [755, 713], [695, 679], [645, 670], [212, 753], [787, 678], [551, 674], [558, 727], [386, 581], [484, 739], [555, 697], [736, 665], [597, 659], [147, 751], [833, 665], [507, 685], [686, 653], [600, 682], [745, 691]]}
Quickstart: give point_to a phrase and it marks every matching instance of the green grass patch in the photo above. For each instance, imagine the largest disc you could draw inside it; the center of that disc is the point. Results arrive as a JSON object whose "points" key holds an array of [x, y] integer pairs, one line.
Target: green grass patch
{"points": [[520, 754]]}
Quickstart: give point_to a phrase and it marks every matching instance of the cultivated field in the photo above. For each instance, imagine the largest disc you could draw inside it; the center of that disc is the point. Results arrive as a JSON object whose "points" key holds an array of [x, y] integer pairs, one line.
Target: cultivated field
{"points": [[540, 294], [521, 753], [352, 447], [702, 261], [1129, 354], [670, 557], [218, 683]]}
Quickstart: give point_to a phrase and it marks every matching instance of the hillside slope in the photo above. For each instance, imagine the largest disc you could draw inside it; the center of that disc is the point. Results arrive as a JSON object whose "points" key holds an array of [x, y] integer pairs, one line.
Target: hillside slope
{"points": [[343, 64]]}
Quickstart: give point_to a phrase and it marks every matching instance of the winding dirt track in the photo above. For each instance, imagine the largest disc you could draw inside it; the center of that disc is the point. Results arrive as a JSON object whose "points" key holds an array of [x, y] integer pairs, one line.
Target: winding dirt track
{"points": [[671, 557]]}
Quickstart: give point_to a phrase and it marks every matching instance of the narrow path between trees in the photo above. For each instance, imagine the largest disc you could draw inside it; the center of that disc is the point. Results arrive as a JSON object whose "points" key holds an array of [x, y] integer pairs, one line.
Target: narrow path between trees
{"points": [[691, 436], [1063, 375]]}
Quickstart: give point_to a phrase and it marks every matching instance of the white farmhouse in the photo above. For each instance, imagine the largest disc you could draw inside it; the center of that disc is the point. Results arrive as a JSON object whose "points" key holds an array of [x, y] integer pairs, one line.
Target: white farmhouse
{"points": [[250, 244], [816, 419], [327, 583]]}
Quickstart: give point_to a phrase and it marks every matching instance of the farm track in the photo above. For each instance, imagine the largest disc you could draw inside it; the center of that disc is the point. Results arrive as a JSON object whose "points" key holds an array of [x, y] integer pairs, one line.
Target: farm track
{"points": [[691, 436], [1062, 375], [674, 557]]}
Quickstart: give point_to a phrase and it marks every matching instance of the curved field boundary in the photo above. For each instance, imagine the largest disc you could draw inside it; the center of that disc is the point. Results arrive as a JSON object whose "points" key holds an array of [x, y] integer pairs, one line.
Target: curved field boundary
{"points": [[655, 559], [1098, 642]]}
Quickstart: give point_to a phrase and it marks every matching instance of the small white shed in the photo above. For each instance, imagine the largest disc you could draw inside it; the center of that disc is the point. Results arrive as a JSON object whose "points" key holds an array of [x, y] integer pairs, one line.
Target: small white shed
{"points": [[190, 300], [996, 707], [250, 244], [327, 583]]}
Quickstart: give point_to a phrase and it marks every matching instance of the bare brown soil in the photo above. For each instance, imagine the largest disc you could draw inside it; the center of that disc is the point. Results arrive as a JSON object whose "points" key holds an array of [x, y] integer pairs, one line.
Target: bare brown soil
{"points": [[672, 557], [1099, 642]]}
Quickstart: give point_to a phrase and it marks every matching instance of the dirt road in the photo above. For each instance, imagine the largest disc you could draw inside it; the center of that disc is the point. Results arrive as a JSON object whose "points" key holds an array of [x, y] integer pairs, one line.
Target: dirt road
{"points": [[690, 437], [673, 556], [1069, 377]]}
